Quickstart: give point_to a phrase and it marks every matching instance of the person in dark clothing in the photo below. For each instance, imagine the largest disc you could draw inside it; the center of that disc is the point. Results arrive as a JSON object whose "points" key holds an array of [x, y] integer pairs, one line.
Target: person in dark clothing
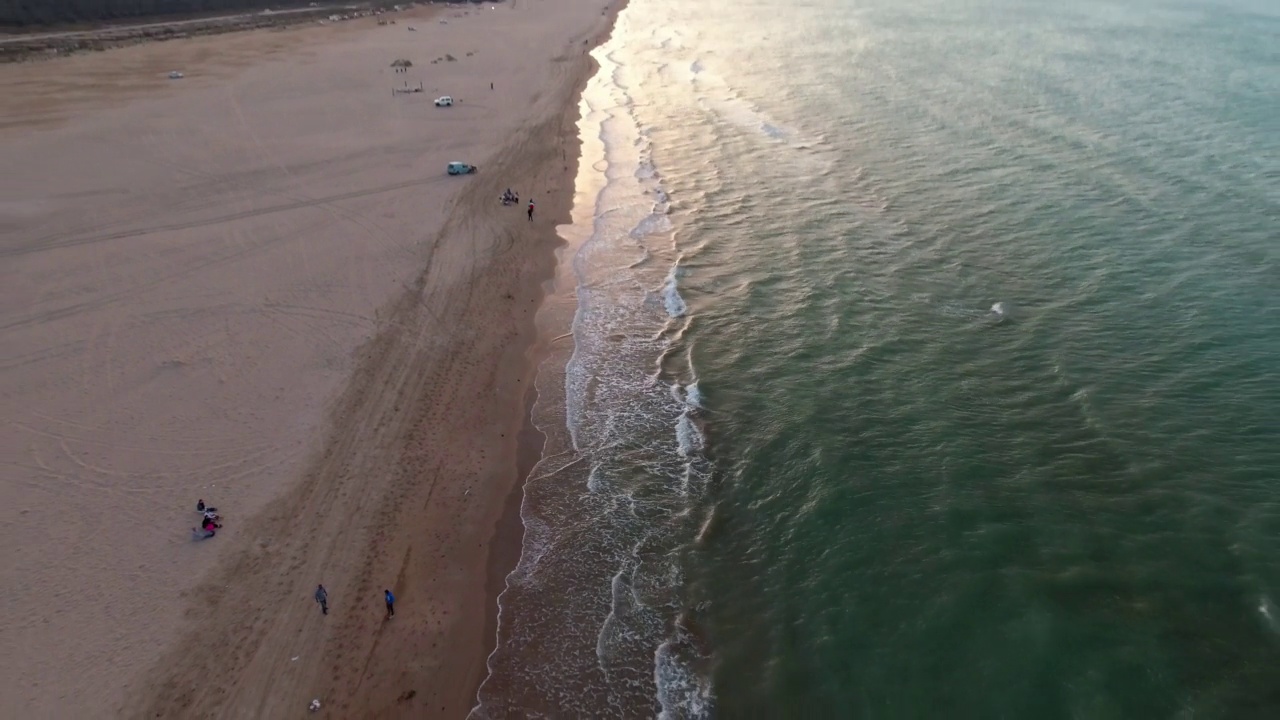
{"points": [[530, 211], [322, 597], [391, 603], [201, 507]]}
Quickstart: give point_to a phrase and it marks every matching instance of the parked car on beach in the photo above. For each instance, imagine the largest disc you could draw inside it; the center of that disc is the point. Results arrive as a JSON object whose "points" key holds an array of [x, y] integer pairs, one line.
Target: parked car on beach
{"points": [[444, 101], [461, 168]]}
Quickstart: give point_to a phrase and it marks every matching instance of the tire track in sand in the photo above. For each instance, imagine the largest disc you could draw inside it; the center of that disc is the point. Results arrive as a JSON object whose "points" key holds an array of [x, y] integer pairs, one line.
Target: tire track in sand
{"points": [[61, 241]]}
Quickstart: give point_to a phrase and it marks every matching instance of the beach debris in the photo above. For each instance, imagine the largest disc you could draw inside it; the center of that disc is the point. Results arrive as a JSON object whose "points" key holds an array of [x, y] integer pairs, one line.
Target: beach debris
{"points": [[315, 705], [450, 58]]}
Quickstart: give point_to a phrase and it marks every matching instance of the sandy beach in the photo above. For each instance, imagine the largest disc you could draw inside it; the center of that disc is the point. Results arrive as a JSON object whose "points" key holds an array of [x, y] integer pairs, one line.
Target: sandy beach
{"points": [[256, 285]]}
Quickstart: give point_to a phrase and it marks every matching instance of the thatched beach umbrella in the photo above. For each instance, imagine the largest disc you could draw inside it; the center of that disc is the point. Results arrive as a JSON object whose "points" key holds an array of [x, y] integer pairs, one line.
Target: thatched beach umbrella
{"points": [[401, 62]]}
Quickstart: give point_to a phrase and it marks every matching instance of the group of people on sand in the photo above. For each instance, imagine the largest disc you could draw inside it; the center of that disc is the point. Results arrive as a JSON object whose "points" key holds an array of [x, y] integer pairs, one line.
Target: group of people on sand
{"points": [[322, 599], [210, 520], [210, 523], [510, 198]]}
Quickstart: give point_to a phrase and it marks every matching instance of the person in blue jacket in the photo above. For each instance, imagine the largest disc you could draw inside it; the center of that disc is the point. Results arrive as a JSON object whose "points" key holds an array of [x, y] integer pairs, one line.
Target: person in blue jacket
{"points": [[391, 603], [322, 597]]}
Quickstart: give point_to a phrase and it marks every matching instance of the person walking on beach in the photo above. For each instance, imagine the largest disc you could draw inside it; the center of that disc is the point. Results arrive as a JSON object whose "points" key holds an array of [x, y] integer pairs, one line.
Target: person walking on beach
{"points": [[391, 603], [530, 211], [322, 597]]}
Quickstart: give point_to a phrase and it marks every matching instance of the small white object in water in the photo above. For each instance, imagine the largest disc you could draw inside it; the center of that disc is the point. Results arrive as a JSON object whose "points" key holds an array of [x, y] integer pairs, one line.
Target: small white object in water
{"points": [[1264, 607]]}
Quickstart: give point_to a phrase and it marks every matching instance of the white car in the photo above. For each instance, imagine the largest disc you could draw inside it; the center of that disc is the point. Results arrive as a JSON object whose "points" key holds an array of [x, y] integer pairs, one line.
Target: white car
{"points": [[175, 75], [444, 101]]}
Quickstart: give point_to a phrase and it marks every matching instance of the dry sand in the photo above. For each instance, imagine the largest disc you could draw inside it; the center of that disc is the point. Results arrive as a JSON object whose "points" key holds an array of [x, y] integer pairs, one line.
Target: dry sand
{"points": [[257, 286]]}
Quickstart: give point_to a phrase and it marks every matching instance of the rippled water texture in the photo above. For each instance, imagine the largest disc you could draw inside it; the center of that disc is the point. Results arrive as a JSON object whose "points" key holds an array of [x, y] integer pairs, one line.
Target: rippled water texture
{"points": [[927, 364]]}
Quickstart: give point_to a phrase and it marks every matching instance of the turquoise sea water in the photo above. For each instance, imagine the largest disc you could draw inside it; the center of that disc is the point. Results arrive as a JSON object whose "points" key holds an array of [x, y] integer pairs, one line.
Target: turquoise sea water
{"points": [[927, 364]]}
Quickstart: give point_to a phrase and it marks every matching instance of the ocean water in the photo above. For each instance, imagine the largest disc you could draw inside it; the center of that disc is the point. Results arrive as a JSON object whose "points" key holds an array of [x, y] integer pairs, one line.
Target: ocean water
{"points": [[926, 363]]}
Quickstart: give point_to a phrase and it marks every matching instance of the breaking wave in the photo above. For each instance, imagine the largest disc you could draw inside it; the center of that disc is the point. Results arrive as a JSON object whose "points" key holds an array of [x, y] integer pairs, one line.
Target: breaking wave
{"points": [[609, 512]]}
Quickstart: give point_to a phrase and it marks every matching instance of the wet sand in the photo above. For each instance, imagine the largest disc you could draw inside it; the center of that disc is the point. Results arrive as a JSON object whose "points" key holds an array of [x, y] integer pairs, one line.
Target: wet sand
{"points": [[257, 286]]}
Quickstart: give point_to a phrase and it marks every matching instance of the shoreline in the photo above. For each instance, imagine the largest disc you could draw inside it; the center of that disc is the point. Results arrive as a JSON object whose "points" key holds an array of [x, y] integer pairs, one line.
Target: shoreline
{"points": [[413, 476], [553, 322], [555, 348]]}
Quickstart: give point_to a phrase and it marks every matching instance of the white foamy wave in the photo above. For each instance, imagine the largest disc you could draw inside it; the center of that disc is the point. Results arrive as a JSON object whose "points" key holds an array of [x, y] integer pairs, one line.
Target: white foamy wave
{"points": [[688, 394], [693, 396], [654, 223], [998, 309], [608, 516], [671, 299], [668, 38], [620, 597], [742, 114], [716, 96], [594, 479], [644, 258], [682, 691], [688, 436], [1268, 612]]}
